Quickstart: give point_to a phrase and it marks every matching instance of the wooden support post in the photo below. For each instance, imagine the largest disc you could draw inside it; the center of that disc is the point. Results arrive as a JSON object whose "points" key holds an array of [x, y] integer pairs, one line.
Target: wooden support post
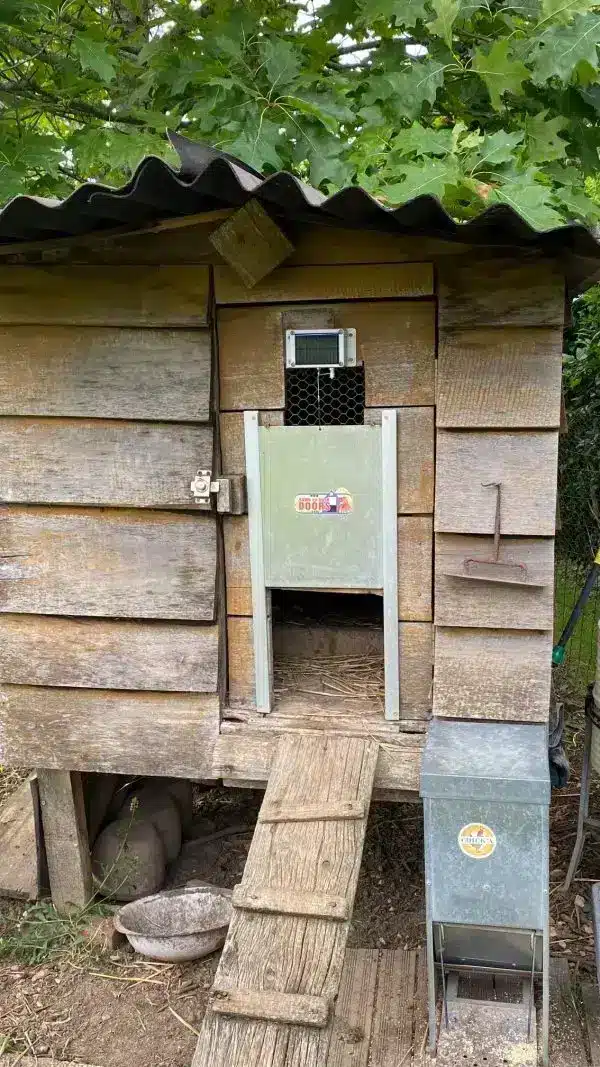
{"points": [[66, 839]]}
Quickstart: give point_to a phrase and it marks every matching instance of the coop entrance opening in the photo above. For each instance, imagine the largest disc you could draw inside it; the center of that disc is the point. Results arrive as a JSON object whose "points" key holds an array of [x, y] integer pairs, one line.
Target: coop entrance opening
{"points": [[328, 653]]}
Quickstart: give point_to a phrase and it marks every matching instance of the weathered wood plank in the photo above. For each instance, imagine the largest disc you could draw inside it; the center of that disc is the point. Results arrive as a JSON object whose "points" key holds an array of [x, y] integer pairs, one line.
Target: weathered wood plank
{"points": [[395, 340], [416, 657], [380, 282], [105, 373], [244, 753], [291, 902], [104, 296], [317, 244], [324, 811], [499, 377], [475, 291], [392, 1040], [351, 1032], [470, 602], [18, 845], [492, 674], [415, 435], [591, 1007], [296, 1008], [233, 450], [92, 461], [103, 654], [65, 838], [415, 556], [251, 243], [524, 463], [420, 1056], [86, 561], [112, 731]]}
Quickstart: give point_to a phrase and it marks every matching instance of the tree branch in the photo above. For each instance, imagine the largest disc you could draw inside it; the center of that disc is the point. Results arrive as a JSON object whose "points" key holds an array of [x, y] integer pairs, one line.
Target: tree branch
{"points": [[30, 92]]}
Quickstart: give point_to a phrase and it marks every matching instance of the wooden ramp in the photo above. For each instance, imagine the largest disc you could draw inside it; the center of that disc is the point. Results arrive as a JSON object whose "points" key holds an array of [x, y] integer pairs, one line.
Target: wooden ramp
{"points": [[274, 994]]}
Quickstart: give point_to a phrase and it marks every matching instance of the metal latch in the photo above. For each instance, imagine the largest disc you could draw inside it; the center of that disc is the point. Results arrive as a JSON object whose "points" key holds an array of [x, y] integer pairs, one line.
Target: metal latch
{"points": [[202, 486]]}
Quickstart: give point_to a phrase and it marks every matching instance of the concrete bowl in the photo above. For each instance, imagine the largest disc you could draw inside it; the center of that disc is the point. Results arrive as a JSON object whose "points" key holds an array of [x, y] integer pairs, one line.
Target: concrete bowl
{"points": [[179, 924]]}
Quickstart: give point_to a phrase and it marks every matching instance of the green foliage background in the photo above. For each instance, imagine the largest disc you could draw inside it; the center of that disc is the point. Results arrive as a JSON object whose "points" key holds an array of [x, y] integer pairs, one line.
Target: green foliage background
{"points": [[475, 102]]}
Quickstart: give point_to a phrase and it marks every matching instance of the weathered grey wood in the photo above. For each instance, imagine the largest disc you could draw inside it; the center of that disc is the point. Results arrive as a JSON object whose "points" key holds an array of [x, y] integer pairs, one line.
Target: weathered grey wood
{"points": [[87, 561], [415, 556], [469, 602], [232, 497], [251, 243], [324, 811], [292, 954], [296, 1008], [502, 376], [92, 461], [416, 657], [567, 1047], [392, 1040], [233, 449], [395, 340], [291, 902], [105, 730], [492, 674], [105, 373], [524, 463], [591, 1007], [65, 838], [324, 243], [420, 1056], [244, 753], [351, 1032], [103, 654], [104, 296], [415, 433], [497, 291], [381, 281], [18, 845]]}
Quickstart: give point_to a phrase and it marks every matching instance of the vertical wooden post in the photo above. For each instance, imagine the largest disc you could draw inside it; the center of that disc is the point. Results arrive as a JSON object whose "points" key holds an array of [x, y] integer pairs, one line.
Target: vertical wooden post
{"points": [[66, 838]]}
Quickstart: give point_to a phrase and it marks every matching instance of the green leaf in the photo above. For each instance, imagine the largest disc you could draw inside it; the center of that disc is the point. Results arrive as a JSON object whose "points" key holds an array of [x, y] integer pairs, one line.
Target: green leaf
{"points": [[446, 14], [496, 148], [577, 205], [530, 199], [420, 140], [565, 10], [405, 12], [561, 48], [429, 178], [542, 140], [418, 86], [322, 106], [500, 72], [282, 62], [94, 55]]}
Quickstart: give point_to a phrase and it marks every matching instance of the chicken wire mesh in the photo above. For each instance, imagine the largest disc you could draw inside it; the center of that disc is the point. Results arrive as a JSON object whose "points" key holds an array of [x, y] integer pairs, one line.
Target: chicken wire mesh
{"points": [[324, 396]]}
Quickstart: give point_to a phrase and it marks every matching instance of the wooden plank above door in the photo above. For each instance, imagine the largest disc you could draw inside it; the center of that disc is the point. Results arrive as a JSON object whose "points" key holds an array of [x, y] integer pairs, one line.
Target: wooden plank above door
{"points": [[105, 373], [93, 461], [497, 291], [395, 340], [380, 281], [114, 563], [104, 296]]}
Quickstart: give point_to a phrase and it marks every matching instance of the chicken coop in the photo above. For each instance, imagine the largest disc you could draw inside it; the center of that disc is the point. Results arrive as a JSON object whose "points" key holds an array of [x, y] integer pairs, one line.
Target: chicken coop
{"points": [[278, 481]]}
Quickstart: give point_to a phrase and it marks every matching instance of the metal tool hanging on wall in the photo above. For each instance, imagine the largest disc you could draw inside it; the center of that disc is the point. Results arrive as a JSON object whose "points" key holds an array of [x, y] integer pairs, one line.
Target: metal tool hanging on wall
{"points": [[493, 568]]}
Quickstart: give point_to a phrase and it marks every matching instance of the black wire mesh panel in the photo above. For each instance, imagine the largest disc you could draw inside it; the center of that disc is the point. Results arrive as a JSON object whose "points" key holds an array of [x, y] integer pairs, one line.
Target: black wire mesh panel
{"points": [[320, 396]]}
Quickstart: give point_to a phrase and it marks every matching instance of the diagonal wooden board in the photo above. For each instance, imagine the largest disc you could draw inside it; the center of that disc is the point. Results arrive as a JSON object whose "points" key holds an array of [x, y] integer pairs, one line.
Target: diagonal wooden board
{"points": [[283, 953]]}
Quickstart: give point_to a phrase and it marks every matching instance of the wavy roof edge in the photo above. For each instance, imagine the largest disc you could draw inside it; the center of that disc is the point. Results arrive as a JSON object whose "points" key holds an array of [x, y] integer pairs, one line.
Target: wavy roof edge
{"points": [[210, 180]]}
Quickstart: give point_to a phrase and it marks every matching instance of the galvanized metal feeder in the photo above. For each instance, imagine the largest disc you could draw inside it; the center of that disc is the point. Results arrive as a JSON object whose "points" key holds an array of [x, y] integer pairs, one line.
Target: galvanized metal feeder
{"points": [[486, 793]]}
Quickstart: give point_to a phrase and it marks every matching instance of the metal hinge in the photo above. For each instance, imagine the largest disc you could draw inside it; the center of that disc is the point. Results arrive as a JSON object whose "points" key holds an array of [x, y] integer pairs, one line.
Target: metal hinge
{"points": [[202, 487]]}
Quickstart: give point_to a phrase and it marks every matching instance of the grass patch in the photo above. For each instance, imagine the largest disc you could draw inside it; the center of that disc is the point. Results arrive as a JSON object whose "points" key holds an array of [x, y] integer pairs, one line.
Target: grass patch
{"points": [[38, 934]]}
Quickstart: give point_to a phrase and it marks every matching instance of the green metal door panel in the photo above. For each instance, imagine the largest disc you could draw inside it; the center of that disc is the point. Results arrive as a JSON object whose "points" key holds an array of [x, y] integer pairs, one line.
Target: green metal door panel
{"points": [[322, 506]]}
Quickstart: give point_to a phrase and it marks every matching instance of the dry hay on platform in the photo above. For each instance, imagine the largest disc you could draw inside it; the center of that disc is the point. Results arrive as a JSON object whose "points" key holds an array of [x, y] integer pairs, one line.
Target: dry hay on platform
{"points": [[343, 677]]}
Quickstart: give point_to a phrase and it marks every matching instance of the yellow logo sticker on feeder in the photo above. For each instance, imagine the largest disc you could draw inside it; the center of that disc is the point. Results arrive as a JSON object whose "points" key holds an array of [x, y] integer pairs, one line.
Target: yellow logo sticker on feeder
{"points": [[477, 840]]}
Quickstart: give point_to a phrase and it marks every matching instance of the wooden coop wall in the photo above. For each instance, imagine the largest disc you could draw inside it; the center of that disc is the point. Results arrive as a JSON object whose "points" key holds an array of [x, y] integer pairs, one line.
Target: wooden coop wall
{"points": [[467, 346], [109, 632]]}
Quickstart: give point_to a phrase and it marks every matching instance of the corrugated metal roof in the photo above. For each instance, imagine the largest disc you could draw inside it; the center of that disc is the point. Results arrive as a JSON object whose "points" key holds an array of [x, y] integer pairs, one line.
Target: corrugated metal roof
{"points": [[208, 180]]}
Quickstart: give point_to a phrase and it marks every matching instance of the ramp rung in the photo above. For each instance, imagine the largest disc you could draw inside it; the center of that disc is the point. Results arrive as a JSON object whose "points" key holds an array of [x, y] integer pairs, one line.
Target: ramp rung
{"points": [[277, 811], [291, 902], [296, 1008]]}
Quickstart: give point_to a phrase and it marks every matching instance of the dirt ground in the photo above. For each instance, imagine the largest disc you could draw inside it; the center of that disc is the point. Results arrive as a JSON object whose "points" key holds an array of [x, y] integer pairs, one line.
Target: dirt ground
{"points": [[95, 1005]]}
